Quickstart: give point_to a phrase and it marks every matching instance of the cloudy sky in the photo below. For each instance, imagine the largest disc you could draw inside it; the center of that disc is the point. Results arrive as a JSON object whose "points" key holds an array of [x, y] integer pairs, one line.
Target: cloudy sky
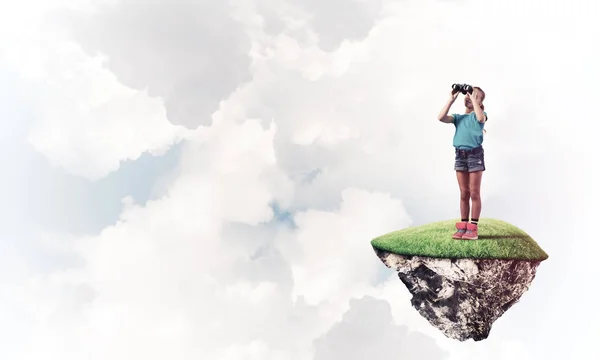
{"points": [[201, 181]]}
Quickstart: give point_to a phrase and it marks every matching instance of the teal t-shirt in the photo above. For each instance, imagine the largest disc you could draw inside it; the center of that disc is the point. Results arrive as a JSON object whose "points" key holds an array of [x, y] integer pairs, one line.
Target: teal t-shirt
{"points": [[469, 131]]}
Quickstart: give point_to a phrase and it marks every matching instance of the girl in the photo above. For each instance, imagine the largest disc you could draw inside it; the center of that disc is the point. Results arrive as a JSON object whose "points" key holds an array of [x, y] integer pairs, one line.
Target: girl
{"points": [[469, 161]]}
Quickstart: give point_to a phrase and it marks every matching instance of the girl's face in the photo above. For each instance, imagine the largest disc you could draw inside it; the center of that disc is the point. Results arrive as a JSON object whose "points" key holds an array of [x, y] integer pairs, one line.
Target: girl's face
{"points": [[476, 95]]}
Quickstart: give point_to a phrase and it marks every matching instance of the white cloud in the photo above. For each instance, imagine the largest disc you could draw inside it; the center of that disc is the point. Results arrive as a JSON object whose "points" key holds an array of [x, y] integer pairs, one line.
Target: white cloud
{"points": [[88, 121], [202, 272], [255, 350], [191, 54], [153, 283], [174, 274], [367, 331], [330, 253]]}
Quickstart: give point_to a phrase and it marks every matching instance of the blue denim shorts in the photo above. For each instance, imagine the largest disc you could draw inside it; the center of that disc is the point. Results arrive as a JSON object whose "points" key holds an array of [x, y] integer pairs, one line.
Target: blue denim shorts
{"points": [[469, 160]]}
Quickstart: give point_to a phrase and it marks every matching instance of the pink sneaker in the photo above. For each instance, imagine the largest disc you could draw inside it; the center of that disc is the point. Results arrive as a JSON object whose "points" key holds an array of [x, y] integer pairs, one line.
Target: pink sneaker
{"points": [[461, 230], [471, 233]]}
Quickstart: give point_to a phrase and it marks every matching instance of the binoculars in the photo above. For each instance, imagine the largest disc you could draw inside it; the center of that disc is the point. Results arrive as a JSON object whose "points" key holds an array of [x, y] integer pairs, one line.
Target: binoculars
{"points": [[463, 88]]}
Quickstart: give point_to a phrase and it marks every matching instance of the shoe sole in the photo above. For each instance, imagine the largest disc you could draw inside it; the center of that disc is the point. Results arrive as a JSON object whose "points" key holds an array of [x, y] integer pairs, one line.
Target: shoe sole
{"points": [[459, 234]]}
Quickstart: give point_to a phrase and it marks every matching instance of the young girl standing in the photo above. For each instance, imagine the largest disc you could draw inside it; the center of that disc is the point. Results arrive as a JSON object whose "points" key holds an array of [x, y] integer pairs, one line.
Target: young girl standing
{"points": [[469, 162]]}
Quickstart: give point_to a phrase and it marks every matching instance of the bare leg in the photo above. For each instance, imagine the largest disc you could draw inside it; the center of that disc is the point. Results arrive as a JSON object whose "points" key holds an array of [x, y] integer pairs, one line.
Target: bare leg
{"points": [[474, 186], [463, 184]]}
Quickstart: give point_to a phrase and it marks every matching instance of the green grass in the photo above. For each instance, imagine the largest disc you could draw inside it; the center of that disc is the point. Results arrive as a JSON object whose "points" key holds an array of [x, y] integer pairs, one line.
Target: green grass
{"points": [[497, 240]]}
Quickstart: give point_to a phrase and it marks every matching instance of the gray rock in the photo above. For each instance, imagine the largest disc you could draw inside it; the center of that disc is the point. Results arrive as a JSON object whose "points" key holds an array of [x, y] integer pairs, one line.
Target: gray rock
{"points": [[462, 297]]}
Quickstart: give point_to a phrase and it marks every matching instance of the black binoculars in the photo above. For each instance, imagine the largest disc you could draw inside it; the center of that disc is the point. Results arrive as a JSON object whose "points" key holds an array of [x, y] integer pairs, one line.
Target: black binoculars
{"points": [[463, 88]]}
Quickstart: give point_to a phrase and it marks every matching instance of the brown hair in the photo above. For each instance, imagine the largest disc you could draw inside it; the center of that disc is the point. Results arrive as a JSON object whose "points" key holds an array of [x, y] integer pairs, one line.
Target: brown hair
{"points": [[482, 96]]}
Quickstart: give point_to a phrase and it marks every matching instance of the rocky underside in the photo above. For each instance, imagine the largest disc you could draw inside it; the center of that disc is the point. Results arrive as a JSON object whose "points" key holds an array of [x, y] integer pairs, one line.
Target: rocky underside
{"points": [[462, 297]]}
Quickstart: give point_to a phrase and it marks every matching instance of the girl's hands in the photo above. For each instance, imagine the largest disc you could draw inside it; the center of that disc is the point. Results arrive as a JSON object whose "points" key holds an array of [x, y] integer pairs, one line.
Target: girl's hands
{"points": [[453, 95], [473, 99]]}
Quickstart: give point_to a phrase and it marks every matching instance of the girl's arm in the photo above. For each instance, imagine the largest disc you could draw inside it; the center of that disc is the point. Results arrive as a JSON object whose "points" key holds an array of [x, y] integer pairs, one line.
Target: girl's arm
{"points": [[481, 117], [443, 115]]}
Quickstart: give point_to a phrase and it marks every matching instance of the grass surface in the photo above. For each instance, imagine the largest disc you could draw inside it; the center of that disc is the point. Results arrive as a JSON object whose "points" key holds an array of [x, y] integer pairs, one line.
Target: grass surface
{"points": [[497, 240]]}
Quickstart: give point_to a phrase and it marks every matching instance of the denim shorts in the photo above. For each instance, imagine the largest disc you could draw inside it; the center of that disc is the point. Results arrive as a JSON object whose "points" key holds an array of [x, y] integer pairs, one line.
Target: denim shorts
{"points": [[469, 160]]}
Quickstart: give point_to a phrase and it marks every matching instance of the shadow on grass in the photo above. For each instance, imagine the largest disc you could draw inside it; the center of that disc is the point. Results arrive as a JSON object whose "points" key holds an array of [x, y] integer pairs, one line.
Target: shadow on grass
{"points": [[497, 237]]}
